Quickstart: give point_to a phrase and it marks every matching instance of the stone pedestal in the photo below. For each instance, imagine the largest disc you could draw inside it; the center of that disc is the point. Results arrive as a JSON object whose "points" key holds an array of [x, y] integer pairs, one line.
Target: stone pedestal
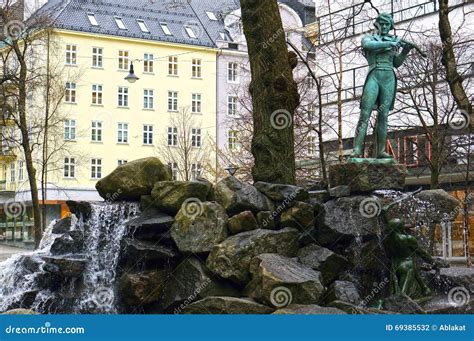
{"points": [[368, 176]]}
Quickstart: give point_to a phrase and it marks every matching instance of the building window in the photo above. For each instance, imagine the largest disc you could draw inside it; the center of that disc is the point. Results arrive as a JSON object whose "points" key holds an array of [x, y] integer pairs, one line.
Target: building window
{"points": [[172, 101], [143, 26], [196, 104], [96, 168], [12, 171], [96, 132], [196, 139], [69, 167], [123, 97], [148, 63], [197, 68], [172, 66], [166, 29], [124, 60], [122, 162], [172, 136], [411, 151], [70, 94], [148, 99], [211, 16], [232, 139], [120, 23], [231, 105], [232, 72], [97, 94], [147, 135], [311, 145], [21, 170], [92, 19], [196, 171], [97, 57], [71, 54], [173, 166], [122, 136], [190, 32], [69, 130]]}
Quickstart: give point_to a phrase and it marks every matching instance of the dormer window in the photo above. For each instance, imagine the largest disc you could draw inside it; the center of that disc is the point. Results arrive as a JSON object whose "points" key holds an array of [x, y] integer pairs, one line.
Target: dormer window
{"points": [[120, 23], [165, 28], [190, 32], [143, 26], [92, 19], [211, 16]]}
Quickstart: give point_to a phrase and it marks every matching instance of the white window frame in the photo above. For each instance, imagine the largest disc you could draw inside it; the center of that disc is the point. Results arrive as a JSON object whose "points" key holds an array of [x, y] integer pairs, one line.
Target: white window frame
{"points": [[96, 169], [70, 129], [173, 66], [196, 68], [196, 104], [148, 63], [143, 27], [122, 133], [12, 171], [69, 168], [97, 94], [196, 171], [166, 30], [172, 136], [122, 98], [92, 19], [96, 131], [123, 60], [232, 72], [21, 170], [121, 162], [97, 57], [120, 23], [71, 54], [173, 101], [148, 135], [70, 95], [149, 99], [191, 34], [232, 105], [173, 166], [196, 137], [232, 139], [211, 15]]}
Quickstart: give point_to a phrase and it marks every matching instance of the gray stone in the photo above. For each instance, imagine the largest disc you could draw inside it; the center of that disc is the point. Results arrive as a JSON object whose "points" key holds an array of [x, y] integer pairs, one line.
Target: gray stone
{"points": [[299, 216], [20, 312], [132, 180], [227, 305], [278, 192], [62, 226], [343, 291], [242, 222], [310, 309], [199, 233], [81, 209], [169, 196], [368, 177], [237, 197], [458, 277], [231, 258], [139, 252], [192, 281], [68, 243], [330, 264], [150, 225], [279, 281], [138, 289], [340, 191], [73, 266], [266, 220], [319, 196], [401, 303]]}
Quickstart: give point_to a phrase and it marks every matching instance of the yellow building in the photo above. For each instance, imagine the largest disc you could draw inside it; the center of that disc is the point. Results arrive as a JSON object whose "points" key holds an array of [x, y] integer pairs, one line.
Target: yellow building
{"points": [[105, 120]]}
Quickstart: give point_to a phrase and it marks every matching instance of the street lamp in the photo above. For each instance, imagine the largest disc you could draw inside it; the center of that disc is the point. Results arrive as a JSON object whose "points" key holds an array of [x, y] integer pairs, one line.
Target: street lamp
{"points": [[131, 78], [232, 169]]}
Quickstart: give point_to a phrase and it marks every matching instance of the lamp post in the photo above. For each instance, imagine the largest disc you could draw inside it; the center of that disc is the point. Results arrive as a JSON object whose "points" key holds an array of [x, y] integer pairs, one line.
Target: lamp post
{"points": [[131, 78]]}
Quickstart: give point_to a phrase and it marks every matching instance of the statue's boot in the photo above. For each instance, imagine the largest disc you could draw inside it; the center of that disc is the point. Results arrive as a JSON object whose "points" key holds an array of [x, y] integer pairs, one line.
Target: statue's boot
{"points": [[382, 145], [359, 140]]}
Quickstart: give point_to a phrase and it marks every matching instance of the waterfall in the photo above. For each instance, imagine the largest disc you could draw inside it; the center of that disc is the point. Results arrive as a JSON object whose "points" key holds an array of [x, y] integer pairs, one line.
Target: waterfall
{"points": [[32, 280]]}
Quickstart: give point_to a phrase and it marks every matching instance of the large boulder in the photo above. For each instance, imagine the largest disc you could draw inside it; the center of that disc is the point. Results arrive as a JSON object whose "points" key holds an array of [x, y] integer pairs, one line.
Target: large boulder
{"points": [[199, 233], [348, 218], [278, 192], [310, 309], [68, 243], [299, 216], [343, 291], [192, 281], [330, 264], [132, 180], [231, 258], [151, 225], [227, 305], [170, 196], [81, 209], [243, 222], [136, 252], [138, 289], [279, 281], [63, 225], [401, 303], [66, 266], [236, 197]]}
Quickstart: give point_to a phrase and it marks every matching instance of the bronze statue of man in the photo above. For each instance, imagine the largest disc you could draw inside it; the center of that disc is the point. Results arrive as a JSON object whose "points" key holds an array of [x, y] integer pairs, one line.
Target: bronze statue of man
{"points": [[381, 52]]}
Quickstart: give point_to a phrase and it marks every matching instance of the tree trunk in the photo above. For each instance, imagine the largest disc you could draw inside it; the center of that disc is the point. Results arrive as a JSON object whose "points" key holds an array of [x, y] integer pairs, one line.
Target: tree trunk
{"points": [[449, 61], [274, 92]]}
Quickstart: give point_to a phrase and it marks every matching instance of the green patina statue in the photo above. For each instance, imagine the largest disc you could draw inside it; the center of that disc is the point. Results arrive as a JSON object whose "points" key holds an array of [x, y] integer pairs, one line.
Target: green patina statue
{"points": [[381, 52]]}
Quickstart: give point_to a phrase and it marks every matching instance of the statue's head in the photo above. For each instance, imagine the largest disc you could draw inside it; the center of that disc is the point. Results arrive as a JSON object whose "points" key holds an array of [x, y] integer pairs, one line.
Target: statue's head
{"points": [[396, 224], [384, 23]]}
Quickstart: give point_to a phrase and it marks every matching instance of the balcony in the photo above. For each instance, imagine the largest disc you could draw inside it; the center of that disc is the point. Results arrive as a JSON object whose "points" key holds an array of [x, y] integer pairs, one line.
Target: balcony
{"points": [[7, 154]]}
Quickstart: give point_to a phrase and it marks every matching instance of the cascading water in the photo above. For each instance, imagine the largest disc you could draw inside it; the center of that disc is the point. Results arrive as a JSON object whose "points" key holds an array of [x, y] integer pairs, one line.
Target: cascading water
{"points": [[42, 280]]}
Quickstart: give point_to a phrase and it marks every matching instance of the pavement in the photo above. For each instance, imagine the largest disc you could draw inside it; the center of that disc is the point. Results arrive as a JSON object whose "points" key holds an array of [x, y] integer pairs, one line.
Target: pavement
{"points": [[8, 251]]}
